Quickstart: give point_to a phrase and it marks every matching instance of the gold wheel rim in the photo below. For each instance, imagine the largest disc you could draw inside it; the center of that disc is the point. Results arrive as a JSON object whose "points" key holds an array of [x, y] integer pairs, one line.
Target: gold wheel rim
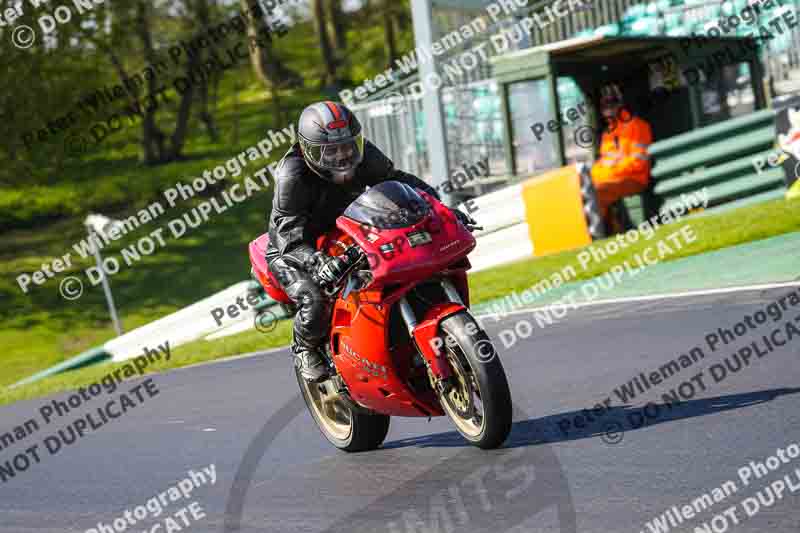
{"points": [[461, 398], [333, 414]]}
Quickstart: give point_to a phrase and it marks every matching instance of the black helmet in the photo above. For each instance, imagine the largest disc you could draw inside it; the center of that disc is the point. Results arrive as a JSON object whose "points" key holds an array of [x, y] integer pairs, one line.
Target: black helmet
{"points": [[331, 140]]}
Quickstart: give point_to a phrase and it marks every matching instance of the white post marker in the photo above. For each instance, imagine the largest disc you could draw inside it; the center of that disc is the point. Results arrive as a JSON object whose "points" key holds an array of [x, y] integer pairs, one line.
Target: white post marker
{"points": [[101, 225]]}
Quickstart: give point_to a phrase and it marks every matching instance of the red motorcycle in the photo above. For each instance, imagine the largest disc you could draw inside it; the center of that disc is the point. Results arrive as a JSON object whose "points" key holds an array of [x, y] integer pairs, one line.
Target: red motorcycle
{"points": [[402, 341]]}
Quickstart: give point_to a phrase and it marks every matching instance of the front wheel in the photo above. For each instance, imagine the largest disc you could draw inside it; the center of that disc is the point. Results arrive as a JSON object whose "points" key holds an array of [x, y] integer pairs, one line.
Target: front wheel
{"points": [[478, 400], [343, 424]]}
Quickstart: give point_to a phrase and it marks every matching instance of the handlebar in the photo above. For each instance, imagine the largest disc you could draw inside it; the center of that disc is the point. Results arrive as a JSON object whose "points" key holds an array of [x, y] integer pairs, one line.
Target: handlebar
{"points": [[354, 257]]}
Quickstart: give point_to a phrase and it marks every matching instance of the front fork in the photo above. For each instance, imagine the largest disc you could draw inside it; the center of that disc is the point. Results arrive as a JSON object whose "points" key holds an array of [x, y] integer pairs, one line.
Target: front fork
{"points": [[426, 334]]}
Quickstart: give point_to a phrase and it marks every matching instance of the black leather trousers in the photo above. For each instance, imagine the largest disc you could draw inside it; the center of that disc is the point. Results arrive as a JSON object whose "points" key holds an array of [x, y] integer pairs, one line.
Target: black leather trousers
{"points": [[312, 319]]}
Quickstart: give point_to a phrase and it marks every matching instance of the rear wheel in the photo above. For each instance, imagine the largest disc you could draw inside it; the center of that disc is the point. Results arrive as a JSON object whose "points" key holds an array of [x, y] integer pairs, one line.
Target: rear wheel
{"points": [[478, 400], [344, 425]]}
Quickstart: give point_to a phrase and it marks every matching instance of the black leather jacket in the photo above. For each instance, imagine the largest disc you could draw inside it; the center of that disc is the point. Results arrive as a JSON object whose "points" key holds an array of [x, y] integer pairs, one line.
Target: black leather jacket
{"points": [[305, 206]]}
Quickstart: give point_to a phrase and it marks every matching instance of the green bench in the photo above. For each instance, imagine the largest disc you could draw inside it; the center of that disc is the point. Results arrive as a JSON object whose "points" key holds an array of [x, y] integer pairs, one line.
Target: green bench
{"points": [[719, 158]]}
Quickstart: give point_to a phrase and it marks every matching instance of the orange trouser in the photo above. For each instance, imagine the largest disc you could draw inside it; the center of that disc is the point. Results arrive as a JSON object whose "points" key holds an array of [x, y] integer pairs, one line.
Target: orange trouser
{"points": [[611, 188]]}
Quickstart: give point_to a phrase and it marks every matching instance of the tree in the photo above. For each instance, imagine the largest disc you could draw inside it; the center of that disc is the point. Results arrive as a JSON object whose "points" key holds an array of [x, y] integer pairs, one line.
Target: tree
{"points": [[328, 58], [154, 140], [38, 88], [389, 16], [203, 17], [267, 66], [337, 32], [337, 27]]}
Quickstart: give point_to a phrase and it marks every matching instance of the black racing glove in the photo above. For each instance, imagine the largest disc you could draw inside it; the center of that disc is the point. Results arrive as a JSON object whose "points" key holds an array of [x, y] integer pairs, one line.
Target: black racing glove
{"points": [[327, 270]]}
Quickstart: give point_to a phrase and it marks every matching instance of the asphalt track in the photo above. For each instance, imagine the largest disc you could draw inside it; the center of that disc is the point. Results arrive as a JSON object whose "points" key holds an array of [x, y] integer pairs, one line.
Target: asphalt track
{"points": [[276, 473]]}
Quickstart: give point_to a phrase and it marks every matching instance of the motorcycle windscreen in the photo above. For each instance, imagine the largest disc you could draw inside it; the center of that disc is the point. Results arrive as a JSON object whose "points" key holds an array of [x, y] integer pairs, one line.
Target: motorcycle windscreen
{"points": [[388, 205]]}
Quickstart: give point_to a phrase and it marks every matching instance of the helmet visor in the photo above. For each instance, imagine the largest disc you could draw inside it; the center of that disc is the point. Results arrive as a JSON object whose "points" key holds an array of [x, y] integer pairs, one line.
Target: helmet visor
{"points": [[342, 156]]}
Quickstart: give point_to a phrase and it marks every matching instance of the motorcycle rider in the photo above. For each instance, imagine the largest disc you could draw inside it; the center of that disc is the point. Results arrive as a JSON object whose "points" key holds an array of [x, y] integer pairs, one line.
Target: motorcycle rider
{"points": [[320, 175]]}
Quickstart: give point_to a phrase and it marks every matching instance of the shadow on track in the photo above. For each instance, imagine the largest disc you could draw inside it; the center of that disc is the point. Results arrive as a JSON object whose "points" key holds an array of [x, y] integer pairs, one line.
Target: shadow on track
{"points": [[484, 491], [616, 420]]}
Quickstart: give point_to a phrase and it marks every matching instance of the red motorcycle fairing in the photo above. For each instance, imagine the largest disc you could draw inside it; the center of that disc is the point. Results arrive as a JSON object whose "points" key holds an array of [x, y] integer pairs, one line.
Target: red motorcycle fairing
{"points": [[426, 334], [449, 242], [376, 375], [263, 274]]}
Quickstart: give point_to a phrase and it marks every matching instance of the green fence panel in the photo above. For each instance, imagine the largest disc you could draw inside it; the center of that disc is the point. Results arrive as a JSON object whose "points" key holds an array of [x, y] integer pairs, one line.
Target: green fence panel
{"points": [[707, 154], [718, 158], [708, 176], [738, 189], [722, 130]]}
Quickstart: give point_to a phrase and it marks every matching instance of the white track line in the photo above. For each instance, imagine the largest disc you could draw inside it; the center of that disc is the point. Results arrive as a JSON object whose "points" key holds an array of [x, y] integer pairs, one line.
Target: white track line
{"points": [[665, 296]]}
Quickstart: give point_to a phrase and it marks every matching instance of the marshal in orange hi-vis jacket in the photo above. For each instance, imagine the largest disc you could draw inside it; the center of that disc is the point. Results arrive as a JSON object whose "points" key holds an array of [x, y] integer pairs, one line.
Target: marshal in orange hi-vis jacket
{"points": [[624, 165]]}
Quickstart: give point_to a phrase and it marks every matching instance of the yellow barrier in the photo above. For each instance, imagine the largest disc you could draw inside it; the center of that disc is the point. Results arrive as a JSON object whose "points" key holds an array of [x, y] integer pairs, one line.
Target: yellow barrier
{"points": [[794, 191], [554, 212]]}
